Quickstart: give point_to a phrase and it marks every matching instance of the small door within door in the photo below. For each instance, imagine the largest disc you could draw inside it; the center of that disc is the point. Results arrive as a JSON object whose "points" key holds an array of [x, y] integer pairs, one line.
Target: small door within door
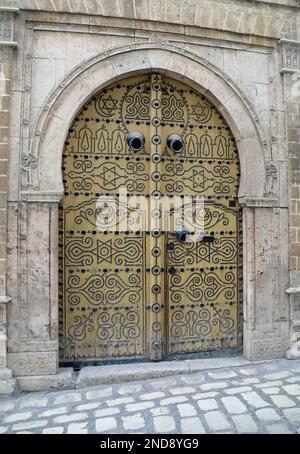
{"points": [[148, 293]]}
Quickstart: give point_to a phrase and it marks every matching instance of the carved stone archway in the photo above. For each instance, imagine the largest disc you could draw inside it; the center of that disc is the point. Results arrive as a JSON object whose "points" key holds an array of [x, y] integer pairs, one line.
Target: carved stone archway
{"points": [[265, 335], [65, 100]]}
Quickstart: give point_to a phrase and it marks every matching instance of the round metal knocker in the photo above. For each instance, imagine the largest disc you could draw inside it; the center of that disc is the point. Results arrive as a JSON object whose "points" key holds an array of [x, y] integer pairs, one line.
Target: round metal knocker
{"points": [[136, 141], [175, 143]]}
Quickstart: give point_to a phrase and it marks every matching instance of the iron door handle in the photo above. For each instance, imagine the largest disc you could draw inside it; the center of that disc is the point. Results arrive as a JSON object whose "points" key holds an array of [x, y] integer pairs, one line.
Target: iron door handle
{"points": [[170, 247], [181, 234], [172, 270], [207, 239]]}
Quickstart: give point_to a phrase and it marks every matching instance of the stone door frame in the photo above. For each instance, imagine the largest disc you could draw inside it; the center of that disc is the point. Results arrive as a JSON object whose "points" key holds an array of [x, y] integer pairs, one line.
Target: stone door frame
{"points": [[33, 348]]}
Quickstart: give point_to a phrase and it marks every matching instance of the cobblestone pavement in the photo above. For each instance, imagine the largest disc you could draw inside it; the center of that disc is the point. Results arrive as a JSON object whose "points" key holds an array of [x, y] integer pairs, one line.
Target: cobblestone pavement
{"points": [[260, 398]]}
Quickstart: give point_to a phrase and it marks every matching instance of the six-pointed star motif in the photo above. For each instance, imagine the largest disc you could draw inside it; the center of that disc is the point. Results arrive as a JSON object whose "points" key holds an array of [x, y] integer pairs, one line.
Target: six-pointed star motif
{"points": [[200, 111], [107, 105]]}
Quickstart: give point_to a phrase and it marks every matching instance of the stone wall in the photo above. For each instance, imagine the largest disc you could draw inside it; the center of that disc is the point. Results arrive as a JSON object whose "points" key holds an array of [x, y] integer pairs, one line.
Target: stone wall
{"points": [[237, 50], [265, 18], [7, 48], [291, 73], [291, 76]]}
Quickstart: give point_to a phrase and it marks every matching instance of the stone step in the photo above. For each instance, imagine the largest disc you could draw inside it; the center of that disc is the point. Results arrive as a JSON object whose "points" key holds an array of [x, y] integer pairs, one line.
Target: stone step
{"points": [[7, 387], [5, 374], [66, 378]]}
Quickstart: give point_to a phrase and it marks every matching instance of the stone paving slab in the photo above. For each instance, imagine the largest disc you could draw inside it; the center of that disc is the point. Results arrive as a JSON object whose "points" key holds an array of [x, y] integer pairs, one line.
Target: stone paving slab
{"points": [[243, 398]]}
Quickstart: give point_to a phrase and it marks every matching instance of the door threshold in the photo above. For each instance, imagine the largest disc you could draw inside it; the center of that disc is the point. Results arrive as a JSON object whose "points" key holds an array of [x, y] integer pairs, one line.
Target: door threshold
{"points": [[88, 376], [78, 365]]}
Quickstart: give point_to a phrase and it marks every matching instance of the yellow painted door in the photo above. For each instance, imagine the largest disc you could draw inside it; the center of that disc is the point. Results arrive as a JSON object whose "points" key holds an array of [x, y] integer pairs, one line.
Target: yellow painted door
{"points": [[147, 294]]}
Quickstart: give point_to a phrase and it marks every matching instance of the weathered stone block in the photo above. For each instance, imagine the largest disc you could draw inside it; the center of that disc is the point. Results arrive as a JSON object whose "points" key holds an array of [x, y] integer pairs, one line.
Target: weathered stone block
{"points": [[33, 363], [89, 376], [7, 387], [64, 379], [5, 373]]}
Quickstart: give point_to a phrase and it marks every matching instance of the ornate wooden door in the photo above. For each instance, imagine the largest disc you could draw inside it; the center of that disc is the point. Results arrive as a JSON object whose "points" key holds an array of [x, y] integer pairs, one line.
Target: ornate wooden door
{"points": [[148, 294]]}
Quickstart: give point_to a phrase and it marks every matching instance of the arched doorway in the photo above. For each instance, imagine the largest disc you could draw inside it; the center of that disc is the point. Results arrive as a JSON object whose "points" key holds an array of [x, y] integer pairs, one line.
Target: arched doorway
{"points": [[134, 295]]}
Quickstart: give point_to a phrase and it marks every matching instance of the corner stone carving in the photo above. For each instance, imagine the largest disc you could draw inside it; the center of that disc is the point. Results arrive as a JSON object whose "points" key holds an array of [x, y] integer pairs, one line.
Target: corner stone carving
{"points": [[32, 363], [268, 348], [290, 55], [29, 164], [271, 179]]}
